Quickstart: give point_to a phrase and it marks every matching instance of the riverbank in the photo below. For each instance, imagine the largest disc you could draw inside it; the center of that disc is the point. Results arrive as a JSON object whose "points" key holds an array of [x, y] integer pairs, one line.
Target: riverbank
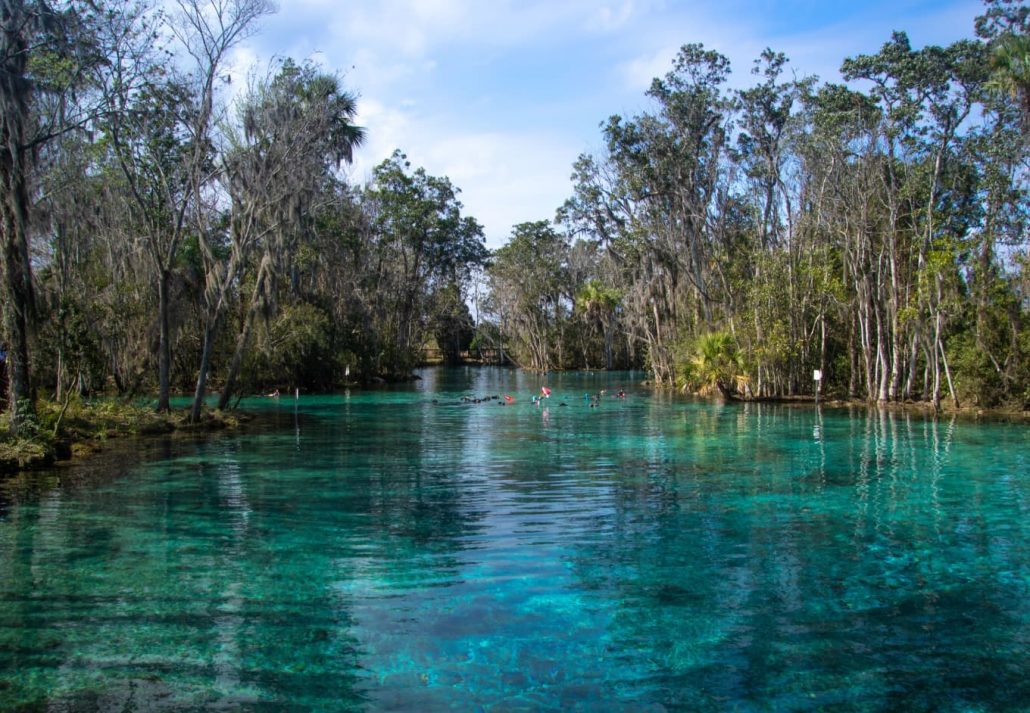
{"points": [[920, 408], [75, 430], [83, 428]]}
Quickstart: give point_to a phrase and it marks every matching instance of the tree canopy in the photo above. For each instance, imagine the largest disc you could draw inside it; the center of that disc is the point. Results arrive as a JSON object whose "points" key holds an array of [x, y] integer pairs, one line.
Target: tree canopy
{"points": [[166, 231]]}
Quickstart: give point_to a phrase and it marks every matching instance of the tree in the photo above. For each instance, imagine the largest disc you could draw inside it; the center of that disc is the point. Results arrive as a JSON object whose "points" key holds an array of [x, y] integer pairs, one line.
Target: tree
{"points": [[296, 130], [712, 362], [650, 201], [772, 123], [420, 242], [160, 124], [1010, 64], [599, 304], [527, 293], [45, 54], [452, 323]]}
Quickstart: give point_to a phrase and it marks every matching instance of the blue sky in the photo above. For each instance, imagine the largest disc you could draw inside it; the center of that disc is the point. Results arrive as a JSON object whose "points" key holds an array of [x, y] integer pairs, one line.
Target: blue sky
{"points": [[502, 96]]}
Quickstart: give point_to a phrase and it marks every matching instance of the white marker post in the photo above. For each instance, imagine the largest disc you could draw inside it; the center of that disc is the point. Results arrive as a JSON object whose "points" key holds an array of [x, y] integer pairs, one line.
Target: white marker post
{"points": [[817, 377]]}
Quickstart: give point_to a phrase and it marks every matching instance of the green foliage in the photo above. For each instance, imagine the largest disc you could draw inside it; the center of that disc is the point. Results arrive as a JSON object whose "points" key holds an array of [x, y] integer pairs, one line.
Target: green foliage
{"points": [[528, 278], [1010, 65], [711, 363], [453, 328], [18, 453], [419, 244], [70, 350], [597, 301], [294, 349], [421, 216]]}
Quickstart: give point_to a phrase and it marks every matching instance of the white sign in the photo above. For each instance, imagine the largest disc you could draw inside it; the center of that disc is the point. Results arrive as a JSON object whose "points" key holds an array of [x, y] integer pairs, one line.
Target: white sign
{"points": [[817, 375]]}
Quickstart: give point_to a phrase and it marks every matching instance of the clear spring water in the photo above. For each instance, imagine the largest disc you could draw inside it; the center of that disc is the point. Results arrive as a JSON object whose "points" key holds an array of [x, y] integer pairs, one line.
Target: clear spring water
{"points": [[379, 551]]}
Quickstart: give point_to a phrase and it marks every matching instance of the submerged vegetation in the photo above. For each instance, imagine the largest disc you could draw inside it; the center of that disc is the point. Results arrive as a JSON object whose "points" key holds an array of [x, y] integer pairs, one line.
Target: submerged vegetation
{"points": [[164, 234]]}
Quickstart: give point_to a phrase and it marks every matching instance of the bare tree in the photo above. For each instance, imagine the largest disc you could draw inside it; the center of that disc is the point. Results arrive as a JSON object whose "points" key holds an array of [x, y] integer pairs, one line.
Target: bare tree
{"points": [[161, 126]]}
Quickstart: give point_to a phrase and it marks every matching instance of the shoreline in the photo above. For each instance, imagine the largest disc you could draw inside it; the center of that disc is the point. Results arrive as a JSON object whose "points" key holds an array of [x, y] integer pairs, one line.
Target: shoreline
{"points": [[92, 428], [921, 408], [88, 433], [1008, 414]]}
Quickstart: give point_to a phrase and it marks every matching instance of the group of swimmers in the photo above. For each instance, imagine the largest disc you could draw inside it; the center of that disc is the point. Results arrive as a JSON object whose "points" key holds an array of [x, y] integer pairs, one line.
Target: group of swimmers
{"points": [[545, 393], [595, 399]]}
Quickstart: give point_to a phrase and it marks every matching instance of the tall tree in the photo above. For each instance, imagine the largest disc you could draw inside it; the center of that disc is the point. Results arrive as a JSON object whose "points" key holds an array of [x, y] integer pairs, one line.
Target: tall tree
{"points": [[599, 304], [1010, 62], [528, 285], [45, 53], [296, 129], [161, 124], [421, 242]]}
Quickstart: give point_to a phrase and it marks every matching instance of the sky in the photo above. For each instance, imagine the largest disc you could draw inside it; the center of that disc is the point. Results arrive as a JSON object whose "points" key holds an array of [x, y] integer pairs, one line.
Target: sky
{"points": [[501, 96]]}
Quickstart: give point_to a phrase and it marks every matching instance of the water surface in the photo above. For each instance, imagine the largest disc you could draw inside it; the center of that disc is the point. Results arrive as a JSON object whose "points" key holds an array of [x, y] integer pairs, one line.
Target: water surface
{"points": [[401, 549]]}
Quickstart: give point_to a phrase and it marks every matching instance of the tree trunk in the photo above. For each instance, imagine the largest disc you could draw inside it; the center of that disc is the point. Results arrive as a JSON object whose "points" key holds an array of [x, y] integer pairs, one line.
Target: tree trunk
{"points": [[609, 338], [947, 374], [243, 340], [210, 329], [164, 348], [17, 293], [15, 268]]}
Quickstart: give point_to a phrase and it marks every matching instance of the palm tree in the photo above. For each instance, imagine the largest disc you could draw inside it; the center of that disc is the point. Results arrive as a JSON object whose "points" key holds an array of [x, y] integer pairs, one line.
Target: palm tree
{"points": [[714, 363], [598, 304], [297, 129], [1011, 71]]}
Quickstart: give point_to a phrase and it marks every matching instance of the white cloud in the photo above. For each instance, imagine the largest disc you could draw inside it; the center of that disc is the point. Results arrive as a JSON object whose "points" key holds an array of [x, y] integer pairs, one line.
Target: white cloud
{"points": [[636, 73], [507, 174], [436, 78], [611, 16], [386, 128], [816, 51], [505, 177], [416, 28]]}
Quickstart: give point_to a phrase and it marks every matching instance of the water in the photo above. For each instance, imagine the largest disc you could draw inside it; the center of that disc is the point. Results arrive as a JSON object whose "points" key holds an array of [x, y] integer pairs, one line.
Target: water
{"points": [[378, 551]]}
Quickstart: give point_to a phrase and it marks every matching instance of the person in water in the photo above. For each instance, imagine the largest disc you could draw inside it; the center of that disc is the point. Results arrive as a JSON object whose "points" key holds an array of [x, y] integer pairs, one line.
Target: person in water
{"points": [[274, 394]]}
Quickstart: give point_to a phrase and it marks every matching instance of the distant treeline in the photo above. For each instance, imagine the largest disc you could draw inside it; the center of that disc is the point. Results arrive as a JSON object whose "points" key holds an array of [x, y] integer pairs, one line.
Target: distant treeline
{"points": [[741, 240], [166, 226]]}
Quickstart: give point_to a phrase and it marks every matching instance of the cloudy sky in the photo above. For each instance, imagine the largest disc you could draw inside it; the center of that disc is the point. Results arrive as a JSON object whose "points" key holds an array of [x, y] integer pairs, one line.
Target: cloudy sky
{"points": [[501, 96]]}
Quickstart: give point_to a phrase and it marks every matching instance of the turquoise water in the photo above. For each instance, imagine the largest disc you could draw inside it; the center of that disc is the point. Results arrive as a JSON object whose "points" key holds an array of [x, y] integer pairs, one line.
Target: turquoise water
{"points": [[379, 551]]}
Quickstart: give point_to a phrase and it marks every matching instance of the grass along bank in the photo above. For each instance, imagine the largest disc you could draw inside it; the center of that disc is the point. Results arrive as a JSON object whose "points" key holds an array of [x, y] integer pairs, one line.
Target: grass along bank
{"points": [[78, 428]]}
